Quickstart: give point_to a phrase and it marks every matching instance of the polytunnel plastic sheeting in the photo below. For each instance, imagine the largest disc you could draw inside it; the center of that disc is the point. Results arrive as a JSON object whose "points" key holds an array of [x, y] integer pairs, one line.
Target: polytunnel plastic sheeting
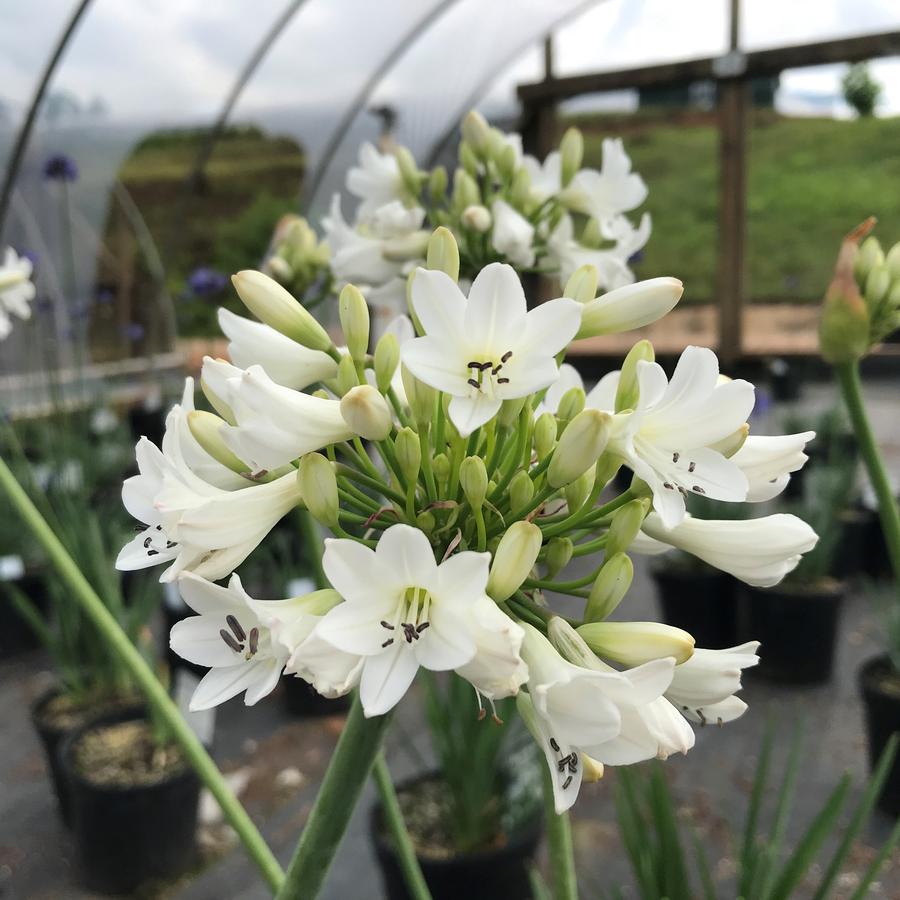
{"points": [[443, 71]]}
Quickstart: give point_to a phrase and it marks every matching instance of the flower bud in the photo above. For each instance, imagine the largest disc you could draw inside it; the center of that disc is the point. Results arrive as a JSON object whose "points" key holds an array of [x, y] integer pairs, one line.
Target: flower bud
{"points": [[406, 247], [521, 490], [425, 521], [892, 261], [591, 235], [386, 360], [582, 284], [579, 490], [627, 392], [468, 159], [844, 334], [440, 466], [474, 480], [625, 525], [279, 269], [347, 377], [520, 190], [409, 453], [443, 253], [366, 412], [509, 412], [609, 588], [475, 130], [506, 161], [571, 404], [878, 284], [420, 396], [634, 643], [579, 448], [437, 184], [354, 314], [514, 559], [559, 552], [571, 151], [478, 218], [409, 171], [607, 468], [206, 429], [318, 486], [217, 403], [544, 434], [570, 645], [465, 190], [866, 258], [272, 304]]}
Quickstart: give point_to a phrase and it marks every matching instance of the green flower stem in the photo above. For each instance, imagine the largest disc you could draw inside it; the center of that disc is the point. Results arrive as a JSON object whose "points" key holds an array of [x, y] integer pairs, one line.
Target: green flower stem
{"points": [[559, 841], [588, 514], [373, 483], [351, 762], [479, 525], [550, 585], [312, 538], [398, 407], [851, 388], [430, 486], [393, 817], [143, 675], [365, 460]]}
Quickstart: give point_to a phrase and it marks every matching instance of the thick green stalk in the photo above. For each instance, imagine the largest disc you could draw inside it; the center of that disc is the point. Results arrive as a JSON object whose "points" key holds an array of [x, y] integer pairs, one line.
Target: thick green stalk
{"points": [[146, 680], [393, 817], [851, 388], [559, 845], [351, 762]]}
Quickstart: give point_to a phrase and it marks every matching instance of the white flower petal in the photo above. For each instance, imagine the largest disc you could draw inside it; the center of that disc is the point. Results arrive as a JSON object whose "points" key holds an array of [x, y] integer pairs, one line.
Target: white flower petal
{"points": [[386, 678]]}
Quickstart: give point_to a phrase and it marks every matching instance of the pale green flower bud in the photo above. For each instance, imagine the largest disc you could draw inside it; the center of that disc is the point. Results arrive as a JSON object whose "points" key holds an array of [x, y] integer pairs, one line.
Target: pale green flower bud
{"points": [[478, 218], [465, 190], [318, 485], [591, 236], [495, 144], [347, 377], [514, 559], [409, 246], [468, 159], [844, 328], [869, 256], [425, 521], [579, 447], [571, 403], [443, 253], [625, 525], [440, 466], [582, 284], [506, 161], [475, 130], [366, 412], [420, 396], [878, 284], [570, 645], [409, 171], [571, 151], [521, 490], [280, 269], [386, 360], [628, 391], [409, 453], [509, 412], [217, 403], [272, 304], [437, 184], [892, 261], [635, 643], [609, 588], [520, 189], [474, 480], [579, 490], [545, 434], [558, 554], [354, 315], [206, 429]]}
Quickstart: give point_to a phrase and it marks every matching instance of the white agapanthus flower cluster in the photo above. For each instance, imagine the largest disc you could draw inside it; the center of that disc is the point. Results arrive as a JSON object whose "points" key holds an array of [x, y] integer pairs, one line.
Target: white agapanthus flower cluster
{"points": [[459, 470], [16, 290], [501, 205]]}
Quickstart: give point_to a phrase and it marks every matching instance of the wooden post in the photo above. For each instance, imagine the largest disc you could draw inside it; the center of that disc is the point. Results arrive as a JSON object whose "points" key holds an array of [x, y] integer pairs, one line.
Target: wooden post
{"points": [[732, 96]]}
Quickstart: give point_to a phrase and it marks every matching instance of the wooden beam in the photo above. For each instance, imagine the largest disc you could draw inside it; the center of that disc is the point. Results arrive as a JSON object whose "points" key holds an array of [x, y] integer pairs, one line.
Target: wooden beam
{"points": [[758, 63]]}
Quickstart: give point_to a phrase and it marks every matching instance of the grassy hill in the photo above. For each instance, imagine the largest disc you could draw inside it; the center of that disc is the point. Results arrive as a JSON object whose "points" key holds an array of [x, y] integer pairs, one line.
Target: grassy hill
{"points": [[809, 181]]}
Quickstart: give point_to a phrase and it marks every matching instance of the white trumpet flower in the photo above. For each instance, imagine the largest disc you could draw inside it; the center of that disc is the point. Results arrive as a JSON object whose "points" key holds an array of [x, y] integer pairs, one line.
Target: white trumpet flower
{"points": [[16, 289], [703, 688], [759, 551], [245, 643], [629, 307], [402, 610], [285, 361], [512, 235], [375, 180], [487, 347]]}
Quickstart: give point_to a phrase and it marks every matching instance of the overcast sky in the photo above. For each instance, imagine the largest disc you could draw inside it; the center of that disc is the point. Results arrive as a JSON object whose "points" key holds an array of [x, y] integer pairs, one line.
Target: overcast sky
{"points": [[174, 60]]}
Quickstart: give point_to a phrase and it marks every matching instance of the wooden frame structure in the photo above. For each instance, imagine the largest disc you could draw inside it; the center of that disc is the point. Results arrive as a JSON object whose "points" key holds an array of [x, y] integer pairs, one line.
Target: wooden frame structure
{"points": [[732, 73]]}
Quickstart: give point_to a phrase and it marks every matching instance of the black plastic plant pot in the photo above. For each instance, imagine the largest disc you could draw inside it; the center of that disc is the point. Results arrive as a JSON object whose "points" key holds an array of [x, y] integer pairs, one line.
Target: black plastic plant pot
{"points": [[490, 874], [701, 601], [879, 684], [149, 423], [852, 560], [302, 699], [16, 635], [797, 628], [126, 835]]}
